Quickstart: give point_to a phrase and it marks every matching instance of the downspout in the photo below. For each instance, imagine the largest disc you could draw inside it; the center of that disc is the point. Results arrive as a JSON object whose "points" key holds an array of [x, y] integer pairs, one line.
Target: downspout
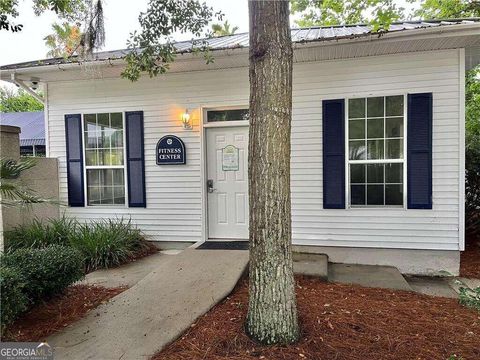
{"points": [[27, 88]]}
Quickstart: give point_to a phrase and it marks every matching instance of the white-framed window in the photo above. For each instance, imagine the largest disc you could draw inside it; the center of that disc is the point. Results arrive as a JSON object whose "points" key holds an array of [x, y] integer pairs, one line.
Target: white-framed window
{"points": [[376, 151], [104, 158], [218, 115]]}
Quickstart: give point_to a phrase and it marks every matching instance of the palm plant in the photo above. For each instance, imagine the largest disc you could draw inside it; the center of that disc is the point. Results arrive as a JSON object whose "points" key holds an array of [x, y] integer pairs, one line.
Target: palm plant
{"points": [[12, 192], [64, 41], [68, 40], [223, 29]]}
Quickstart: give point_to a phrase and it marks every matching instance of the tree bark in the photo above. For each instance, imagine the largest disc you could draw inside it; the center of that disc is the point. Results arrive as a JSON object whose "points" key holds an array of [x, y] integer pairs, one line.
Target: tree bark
{"points": [[272, 312]]}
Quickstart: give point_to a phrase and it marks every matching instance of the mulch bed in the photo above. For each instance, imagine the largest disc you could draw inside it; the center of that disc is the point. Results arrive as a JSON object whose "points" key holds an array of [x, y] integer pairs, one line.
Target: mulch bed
{"points": [[340, 322], [470, 259], [150, 249], [62, 310]]}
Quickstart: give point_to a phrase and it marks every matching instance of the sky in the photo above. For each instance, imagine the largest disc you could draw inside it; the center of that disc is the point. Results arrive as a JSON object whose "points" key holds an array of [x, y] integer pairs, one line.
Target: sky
{"points": [[121, 18]]}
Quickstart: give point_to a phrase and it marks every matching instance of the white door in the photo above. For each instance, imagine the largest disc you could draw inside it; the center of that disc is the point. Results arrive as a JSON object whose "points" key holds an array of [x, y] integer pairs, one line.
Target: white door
{"points": [[227, 182]]}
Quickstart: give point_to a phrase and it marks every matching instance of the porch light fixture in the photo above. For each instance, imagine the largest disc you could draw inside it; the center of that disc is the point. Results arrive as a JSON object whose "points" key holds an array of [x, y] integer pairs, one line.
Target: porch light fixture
{"points": [[185, 117]]}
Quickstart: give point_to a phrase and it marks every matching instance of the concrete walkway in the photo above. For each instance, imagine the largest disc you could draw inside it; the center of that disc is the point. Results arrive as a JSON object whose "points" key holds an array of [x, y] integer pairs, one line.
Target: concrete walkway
{"points": [[457, 283], [433, 286], [378, 276], [126, 275], [156, 310], [388, 277]]}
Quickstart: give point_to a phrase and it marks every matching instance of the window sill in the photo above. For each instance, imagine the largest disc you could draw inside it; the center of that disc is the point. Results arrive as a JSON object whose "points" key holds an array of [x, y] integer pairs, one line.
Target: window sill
{"points": [[377, 207], [118, 206]]}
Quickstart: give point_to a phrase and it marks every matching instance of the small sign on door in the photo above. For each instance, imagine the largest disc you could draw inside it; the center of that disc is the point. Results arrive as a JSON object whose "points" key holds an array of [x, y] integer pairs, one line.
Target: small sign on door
{"points": [[230, 158]]}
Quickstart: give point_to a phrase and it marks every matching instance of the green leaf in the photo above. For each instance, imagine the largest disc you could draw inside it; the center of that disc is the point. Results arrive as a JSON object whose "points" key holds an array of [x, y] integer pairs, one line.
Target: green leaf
{"points": [[12, 191], [152, 49], [379, 13], [18, 101]]}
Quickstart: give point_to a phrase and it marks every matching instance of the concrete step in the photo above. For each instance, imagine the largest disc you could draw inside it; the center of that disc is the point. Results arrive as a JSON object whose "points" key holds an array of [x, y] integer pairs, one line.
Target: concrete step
{"points": [[433, 286], [310, 264], [387, 277]]}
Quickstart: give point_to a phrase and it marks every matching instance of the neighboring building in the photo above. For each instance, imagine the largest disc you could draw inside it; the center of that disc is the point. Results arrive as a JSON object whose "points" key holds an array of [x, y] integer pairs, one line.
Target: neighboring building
{"points": [[377, 164], [32, 135]]}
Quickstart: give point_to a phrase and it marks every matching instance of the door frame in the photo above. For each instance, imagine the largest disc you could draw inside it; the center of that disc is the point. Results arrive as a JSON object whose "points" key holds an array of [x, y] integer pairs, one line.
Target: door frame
{"points": [[204, 125]]}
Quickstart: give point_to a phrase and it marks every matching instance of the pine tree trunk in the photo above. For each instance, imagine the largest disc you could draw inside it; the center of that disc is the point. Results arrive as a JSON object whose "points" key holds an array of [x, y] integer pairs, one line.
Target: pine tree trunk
{"points": [[272, 312]]}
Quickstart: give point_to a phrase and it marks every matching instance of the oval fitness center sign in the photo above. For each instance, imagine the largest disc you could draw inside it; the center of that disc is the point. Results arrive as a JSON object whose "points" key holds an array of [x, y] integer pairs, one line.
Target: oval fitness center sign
{"points": [[171, 151]]}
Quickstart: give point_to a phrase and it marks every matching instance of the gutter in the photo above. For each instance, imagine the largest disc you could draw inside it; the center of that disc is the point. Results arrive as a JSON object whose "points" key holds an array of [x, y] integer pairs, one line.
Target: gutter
{"points": [[415, 34], [27, 88], [184, 56]]}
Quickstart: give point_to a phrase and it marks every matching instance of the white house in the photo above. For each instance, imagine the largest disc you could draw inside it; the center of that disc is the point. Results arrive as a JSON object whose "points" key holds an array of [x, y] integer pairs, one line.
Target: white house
{"points": [[377, 163]]}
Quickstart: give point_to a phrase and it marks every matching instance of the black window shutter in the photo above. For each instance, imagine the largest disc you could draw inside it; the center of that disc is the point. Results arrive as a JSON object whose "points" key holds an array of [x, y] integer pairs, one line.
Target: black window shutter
{"points": [[73, 137], [419, 151], [333, 154], [135, 159]]}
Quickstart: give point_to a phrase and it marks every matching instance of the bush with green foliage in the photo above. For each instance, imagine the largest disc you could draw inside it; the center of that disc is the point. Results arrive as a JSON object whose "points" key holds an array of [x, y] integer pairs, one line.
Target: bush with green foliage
{"points": [[43, 258], [41, 234], [108, 243], [470, 298], [46, 271], [14, 301], [102, 244], [28, 276], [472, 152], [18, 101]]}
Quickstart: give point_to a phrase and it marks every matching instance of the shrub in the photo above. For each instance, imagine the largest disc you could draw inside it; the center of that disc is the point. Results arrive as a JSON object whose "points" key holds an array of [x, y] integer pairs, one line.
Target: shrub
{"points": [[41, 234], [472, 153], [103, 244], [13, 298], [470, 298], [472, 191], [108, 243], [45, 271]]}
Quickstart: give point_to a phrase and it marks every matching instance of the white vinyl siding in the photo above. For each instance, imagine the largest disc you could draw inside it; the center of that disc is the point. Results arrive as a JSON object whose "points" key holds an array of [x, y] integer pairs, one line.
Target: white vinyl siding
{"points": [[174, 193]]}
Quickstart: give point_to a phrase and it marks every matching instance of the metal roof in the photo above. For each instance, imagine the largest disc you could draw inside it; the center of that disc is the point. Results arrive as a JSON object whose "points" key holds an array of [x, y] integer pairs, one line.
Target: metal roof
{"points": [[299, 35], [32, 125]]}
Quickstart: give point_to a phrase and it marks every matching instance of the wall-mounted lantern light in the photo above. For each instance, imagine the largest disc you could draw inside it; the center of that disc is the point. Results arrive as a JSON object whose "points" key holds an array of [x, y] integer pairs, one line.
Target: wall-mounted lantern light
{"points": [[185, 117]]}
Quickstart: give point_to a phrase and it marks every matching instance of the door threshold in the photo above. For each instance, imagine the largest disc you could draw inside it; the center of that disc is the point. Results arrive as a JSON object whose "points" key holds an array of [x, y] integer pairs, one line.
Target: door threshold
{"points": [[224, 245], [226, 240]]}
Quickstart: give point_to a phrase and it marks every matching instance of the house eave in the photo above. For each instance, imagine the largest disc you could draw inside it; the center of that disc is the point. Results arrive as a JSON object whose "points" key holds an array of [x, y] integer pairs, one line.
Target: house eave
{"points": [[469, 33]]}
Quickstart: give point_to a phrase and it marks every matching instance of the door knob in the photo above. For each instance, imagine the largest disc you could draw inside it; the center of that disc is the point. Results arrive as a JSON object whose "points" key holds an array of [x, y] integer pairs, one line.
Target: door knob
{"points": [[210, 188]]}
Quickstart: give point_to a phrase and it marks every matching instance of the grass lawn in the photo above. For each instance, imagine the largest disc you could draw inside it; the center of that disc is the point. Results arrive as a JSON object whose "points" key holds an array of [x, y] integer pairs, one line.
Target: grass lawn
{"points": [[340, 322], [62, 310]]}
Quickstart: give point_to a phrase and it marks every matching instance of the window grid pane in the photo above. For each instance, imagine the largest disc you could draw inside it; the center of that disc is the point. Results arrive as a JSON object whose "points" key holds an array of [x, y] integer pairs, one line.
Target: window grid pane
{"points": [[227, 115], [104, 159], [381, 139], [103, 139], [376, 184], [104, 186]]}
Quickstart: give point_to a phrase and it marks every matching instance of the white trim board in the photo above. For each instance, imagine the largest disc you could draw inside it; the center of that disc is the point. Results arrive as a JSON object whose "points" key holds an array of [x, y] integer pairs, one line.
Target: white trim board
{"points": [[203, 153], [461, 146]]}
